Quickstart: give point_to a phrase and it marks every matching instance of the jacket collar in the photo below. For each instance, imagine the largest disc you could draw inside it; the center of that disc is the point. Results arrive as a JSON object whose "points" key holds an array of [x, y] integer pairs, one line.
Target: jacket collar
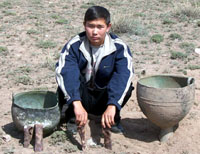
{"points": [[108, 46]]}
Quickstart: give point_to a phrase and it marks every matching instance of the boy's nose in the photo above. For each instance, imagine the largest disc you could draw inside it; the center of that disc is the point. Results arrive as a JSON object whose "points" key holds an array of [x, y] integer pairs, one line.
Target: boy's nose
{"points": [[95, 31]]}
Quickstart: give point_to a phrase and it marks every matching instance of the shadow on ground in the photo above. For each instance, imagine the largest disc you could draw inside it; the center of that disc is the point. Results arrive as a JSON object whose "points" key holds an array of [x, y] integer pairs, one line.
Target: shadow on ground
{"points": [[140, 129], [13, 132]]}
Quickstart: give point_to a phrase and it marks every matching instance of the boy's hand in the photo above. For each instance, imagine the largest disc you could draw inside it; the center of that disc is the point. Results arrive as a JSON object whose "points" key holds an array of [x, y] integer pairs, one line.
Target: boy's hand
{"points": [[107, 119], [80, 113]]}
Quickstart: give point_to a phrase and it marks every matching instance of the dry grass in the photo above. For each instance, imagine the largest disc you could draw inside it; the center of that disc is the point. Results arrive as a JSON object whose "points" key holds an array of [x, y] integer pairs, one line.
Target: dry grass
{"points": [[187, 10], [33, 33]]}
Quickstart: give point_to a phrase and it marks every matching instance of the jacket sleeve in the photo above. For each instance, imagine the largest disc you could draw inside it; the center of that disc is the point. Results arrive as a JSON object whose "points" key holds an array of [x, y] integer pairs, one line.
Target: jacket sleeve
{"points": [[67, 74], [121, 78]]}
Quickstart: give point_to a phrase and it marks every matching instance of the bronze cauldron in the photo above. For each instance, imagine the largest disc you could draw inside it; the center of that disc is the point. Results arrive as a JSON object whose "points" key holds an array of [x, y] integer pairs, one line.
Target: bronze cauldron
{"points": [[36, 107], [165, 100]]}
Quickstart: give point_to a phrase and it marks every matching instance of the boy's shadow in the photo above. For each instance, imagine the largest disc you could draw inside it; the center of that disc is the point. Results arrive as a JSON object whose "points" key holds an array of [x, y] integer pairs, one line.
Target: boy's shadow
{"points": [[140, 129]]}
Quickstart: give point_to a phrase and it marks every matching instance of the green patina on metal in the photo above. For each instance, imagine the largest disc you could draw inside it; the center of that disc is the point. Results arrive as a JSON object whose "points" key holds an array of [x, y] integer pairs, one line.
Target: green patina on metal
{"points": [[166, 100], [161, 81], [33, 107], [36, 100]]}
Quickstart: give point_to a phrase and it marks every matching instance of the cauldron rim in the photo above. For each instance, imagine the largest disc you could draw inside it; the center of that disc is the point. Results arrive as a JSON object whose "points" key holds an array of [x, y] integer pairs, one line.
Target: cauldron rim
{"points": [[33, 91], [166, 75]]}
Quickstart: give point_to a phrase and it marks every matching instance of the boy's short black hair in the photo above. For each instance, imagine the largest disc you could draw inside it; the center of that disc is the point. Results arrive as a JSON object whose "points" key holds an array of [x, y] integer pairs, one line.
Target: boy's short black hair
{"points": [[96, 12]]}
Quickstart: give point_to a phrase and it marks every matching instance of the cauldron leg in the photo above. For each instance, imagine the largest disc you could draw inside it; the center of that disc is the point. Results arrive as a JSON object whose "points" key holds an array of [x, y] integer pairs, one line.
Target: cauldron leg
{"points": [[107, 138], [38, 137], [165, 134], [28, 134], [81, 131]]}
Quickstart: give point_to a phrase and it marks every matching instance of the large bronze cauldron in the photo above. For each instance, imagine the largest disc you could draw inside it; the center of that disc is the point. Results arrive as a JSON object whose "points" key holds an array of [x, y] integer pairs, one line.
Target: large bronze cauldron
{"points": [[165, 100], [36, 107]]}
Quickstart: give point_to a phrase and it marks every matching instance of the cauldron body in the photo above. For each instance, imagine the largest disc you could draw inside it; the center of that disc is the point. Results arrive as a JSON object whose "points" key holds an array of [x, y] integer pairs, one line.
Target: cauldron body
{"points": [[36, 107], [165, 100]]}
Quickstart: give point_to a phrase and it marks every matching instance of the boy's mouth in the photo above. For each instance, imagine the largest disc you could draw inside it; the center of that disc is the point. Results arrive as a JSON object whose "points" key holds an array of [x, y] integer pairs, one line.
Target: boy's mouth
{"points": [[95, 38]]}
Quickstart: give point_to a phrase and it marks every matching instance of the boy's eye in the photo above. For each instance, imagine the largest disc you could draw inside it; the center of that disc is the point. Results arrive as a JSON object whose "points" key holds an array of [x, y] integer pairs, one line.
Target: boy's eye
{"points": [[91, 26], [97, 26], [100, 26]]}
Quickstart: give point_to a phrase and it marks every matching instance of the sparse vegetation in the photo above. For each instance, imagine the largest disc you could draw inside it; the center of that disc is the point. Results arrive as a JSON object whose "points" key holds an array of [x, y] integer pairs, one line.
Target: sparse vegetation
{"points": [[6, 4], [162, 36], [183, 71], [36, 2], [193, 67], [165, 1], [122, 25], [3, 51], [32, 31], [50, 64], [62, 21], [144, 42], [87, 5], [9, 13], [58, 137], [175, 36], [157, 38], [23, 79], [55, 16], [23, 69], [33, 17], [46, 44], [187, 10], [198, 23], [188, 47], [177, 55], [168, 22], [61, 136]]}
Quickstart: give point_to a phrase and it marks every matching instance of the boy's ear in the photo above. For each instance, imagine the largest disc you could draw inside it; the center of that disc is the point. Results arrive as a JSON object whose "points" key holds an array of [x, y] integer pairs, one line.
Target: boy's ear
{"points": [[108, 27]]}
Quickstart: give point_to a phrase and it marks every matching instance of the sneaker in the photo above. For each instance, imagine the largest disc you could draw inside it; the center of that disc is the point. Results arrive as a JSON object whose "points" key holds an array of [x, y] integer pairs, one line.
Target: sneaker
{"points": [[117, 128]]}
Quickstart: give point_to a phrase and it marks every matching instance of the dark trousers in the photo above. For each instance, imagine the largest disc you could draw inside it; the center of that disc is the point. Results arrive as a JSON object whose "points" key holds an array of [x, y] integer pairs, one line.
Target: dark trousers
{"points": [[94, 101]]}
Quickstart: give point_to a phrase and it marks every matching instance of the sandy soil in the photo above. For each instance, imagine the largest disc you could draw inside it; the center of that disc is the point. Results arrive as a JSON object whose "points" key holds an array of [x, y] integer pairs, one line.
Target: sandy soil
{"points": [[33, 32]]}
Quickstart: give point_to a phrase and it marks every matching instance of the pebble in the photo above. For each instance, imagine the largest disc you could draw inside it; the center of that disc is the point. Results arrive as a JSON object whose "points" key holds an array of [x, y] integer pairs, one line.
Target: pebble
{"points": [[6, 138], [91, 142], [197, 50]]}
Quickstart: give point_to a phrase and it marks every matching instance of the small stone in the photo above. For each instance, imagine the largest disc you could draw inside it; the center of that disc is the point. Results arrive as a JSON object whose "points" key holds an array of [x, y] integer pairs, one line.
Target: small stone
{"points": [[143, 72], [197, 50], [91, 142], [6, 138]]}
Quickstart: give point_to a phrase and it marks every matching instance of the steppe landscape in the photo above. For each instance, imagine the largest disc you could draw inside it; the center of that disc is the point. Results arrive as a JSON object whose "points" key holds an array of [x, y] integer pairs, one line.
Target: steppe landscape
{"points": [[163, 36]]}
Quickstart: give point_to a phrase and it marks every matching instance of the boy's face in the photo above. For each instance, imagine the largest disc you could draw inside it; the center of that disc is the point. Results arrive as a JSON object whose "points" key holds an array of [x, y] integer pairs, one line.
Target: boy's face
{"points": [[96, 31]]}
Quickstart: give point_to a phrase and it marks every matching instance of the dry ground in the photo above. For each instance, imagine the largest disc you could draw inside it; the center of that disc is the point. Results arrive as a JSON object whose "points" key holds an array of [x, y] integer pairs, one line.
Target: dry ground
{"points": [[33, 32]]}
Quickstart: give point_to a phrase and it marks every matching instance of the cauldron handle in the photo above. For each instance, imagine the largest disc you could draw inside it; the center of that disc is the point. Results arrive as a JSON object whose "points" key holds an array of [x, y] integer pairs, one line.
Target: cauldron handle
{"points": [[190, 80]]}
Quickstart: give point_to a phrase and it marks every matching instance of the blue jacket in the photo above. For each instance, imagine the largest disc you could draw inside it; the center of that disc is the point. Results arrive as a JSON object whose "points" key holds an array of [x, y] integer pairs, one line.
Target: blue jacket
{"points": [[114, 72]]}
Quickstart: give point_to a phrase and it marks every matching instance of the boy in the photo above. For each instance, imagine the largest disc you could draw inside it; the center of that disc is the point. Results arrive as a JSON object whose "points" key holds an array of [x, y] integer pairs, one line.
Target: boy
{"points": [[94, 72]]}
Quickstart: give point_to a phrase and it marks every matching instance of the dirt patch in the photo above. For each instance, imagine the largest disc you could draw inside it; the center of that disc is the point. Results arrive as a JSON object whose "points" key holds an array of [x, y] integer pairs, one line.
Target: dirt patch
{"points": [[33, 33]]}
